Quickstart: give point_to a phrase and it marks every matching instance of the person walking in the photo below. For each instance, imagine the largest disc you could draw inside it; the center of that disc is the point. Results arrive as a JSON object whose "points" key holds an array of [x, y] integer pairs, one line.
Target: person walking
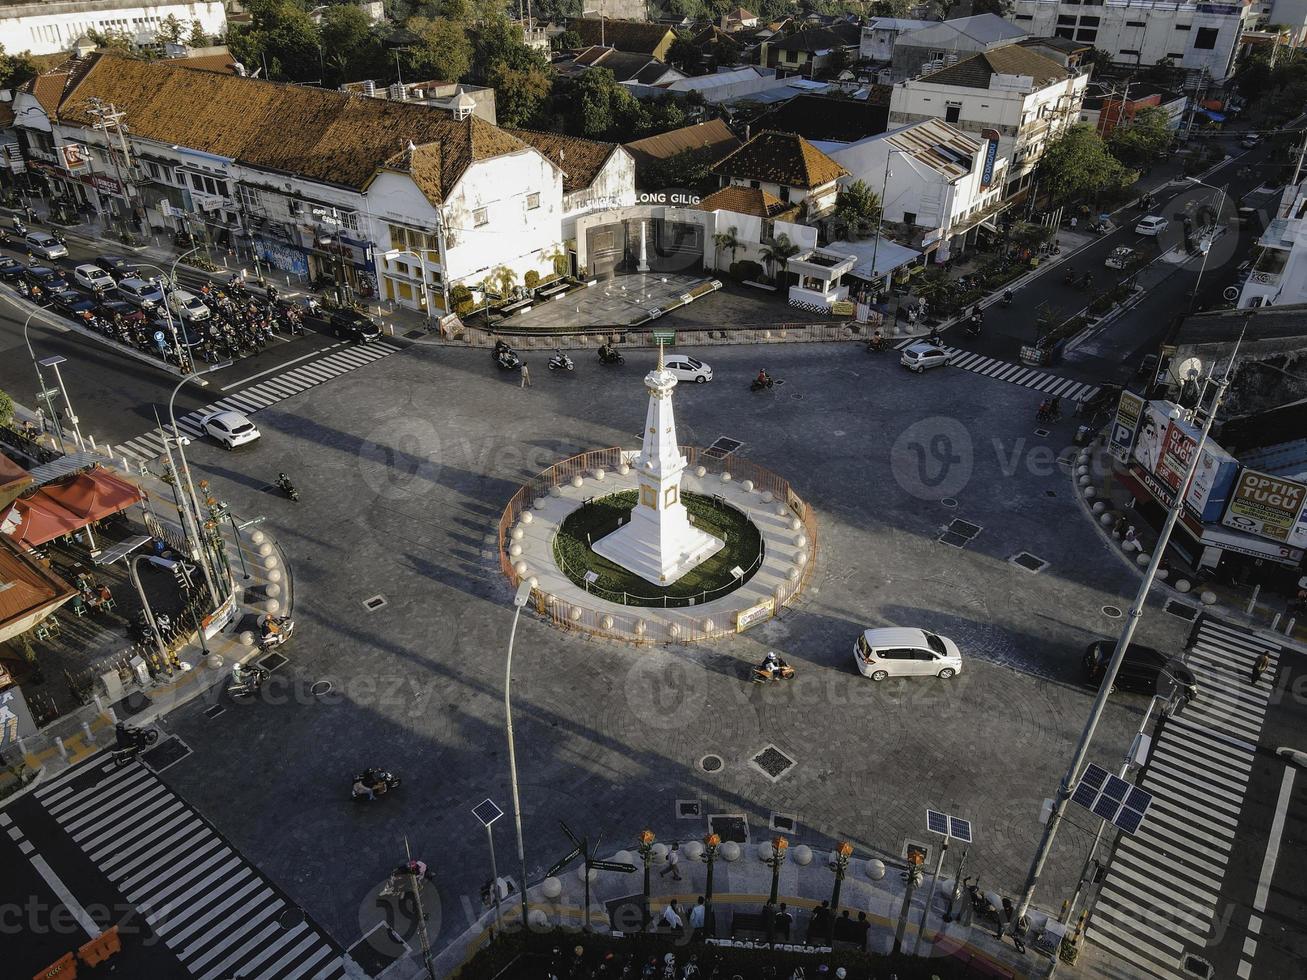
{"points": [[1007, 919], [673, 859], [671, 917], [1259, 668], [697, 919], [526, 376]]}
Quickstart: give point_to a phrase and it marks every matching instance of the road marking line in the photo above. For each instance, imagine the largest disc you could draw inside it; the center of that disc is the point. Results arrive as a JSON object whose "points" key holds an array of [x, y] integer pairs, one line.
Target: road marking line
{"points": [[1273, 841], [279, 367], [65, 896]]}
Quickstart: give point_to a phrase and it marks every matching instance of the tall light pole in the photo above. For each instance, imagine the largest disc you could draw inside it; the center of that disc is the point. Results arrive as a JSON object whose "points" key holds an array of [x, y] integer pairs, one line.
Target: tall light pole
{"points": [[53, 362], [1206, 250], [520, 599], [880, 221], [1072, 773], [165, 283], [190, 508], [43, 393], [422, 270]]}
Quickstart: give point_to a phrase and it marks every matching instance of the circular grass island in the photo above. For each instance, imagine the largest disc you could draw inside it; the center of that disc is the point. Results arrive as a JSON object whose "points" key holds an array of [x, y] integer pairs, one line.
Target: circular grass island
{"points": [[710, 580]]}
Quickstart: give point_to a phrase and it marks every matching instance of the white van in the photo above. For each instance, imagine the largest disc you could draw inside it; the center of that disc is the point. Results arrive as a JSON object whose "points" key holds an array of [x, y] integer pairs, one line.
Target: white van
{"points": [[902, 652], [188, 306]]}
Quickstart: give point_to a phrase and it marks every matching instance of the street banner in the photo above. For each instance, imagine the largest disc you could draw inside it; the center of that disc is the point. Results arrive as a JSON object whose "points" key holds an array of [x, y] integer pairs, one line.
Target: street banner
{"points": [[1209, 490], [991, 156], [754, 614], [1265, 505], [1178, 445], [74, 157], [1128, 410]]}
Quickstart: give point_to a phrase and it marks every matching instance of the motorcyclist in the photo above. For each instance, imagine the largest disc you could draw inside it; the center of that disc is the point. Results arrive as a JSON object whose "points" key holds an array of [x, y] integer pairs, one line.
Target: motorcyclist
{"points": [[772, 665], [370, 784], [1070, 274], [763, 380], [1007, 297], [283, 482], [606, 352]]}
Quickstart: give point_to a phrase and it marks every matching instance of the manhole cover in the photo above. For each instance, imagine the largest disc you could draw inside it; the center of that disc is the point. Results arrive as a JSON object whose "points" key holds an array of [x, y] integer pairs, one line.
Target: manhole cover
{"points": [[797, 397], [1181, 609], [1112, 612], [1042, 433], [949, 502], [273, 661], [1196, 966], [722, 447], [167, 753], [772, 763], [378, 949], [1031, 563], [785, 823], [964, 528], [956, 540], [711, 763], [215, 711], [321, 689], [688, 809], [1050, 493], [729, 826], [375, 603], [414, 334]]}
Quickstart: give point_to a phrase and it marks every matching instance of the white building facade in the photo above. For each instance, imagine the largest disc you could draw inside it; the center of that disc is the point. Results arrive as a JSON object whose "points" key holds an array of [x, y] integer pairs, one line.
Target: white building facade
{"points": [[48, 28], [1193, 35], [1279, 272]]}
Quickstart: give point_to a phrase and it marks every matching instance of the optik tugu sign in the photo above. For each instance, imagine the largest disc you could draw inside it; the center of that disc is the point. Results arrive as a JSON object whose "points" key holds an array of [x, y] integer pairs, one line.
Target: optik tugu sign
{"points": [[1265, 505]]}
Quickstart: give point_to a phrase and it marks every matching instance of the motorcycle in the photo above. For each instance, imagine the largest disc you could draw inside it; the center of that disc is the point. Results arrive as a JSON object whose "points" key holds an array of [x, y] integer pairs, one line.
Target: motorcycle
{"points": [[875, 344], [608, 355], [246, 680], [506, 357], [763, 673], [1049, 411], [270, 638], [560, 361], [380, 781], [1006, 301], [759, 384], [285, 486], [981, 904], [130, 737]]}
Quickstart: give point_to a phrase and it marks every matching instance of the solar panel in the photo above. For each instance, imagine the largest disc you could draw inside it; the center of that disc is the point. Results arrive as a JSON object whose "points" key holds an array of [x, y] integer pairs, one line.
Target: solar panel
{"points": [[960, 829], [1112, 798], [937, 822]]}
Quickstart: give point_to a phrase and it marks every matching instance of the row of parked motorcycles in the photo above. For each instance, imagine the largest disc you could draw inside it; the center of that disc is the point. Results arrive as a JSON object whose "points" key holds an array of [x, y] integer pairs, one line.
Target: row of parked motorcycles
{"points": [[509, 360]]}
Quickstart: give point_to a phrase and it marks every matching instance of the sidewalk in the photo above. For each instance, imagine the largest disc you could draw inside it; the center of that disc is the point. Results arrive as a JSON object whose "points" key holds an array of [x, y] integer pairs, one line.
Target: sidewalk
{"points": [[741, 884]]}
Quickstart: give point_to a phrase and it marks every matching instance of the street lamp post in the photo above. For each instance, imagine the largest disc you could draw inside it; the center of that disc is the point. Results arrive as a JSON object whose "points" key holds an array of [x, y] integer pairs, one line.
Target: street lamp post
{"points": [[166, 281], [880, 221], [645, 850], [840, 865], [520, 599], [779, 846], [711, 844], [44, 393], [1206, 248], [191, 509], [53, 362], [422, 267]]}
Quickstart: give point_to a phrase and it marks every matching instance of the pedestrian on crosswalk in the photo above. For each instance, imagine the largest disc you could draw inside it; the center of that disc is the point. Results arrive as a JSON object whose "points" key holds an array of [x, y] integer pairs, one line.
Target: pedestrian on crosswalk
{"points": [[1259, 668], [526, 376]]}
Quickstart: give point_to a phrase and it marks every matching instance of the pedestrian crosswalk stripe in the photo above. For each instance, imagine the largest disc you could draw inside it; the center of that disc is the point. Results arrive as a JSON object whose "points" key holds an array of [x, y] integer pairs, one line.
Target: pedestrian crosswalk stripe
{"points": [[1163, 886], [336, 362], [214, 910]]}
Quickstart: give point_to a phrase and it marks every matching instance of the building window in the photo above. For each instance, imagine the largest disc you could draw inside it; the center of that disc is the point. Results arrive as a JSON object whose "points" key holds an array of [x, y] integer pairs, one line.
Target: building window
{"points": [[785, 193], [1182, 27], [1023, 17], [532, 201], [349, 220], [250, 196], [952, 113], [909, 217], [153, 168], [1065, 20], [1173, 56], [1135, 23], [1206, 39], [1089, 21], [480, 217], [1066, 32], [294, 206], [1132, 51], [1089, 36]]}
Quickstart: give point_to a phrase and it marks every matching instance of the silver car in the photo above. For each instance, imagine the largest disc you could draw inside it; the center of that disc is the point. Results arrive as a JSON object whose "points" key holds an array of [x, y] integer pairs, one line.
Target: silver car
{"points": [[45, 245], [139, 292], [922, 355]]}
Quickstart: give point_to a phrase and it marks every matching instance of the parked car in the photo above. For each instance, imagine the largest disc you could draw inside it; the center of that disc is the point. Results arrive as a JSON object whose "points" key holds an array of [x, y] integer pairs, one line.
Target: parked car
{"points": [[44, 244], [232, 429], [70, 302], [47, 279], [903, 652], [1121, 258], [10, 268], [117, 266], [188, 306], [93, 278], [1153, 225], [111, 308], [922, 355], [1143, 670], [1249, 141], [140, 293], [350, 324], [686, 368]]}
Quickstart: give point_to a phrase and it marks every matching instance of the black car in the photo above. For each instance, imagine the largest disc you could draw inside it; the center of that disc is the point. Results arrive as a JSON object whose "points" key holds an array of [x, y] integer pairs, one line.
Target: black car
{"points": [[117, 266], [1143, 670], [10, 268], [350, 324], [48, 279], [64, 300]]}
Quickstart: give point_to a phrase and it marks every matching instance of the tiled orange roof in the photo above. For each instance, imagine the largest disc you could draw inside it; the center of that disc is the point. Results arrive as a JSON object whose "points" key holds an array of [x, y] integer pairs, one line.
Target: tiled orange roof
{"points": [[781, 158], [31, 587], [324, 135], [48, 89], [711, 137], [223, 63], [580, 160], [744, 200], [625, 35]]}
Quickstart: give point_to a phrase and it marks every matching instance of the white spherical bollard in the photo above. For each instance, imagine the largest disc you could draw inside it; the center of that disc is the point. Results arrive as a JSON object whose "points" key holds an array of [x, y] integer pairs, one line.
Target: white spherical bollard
{"points": [[1163, 574], [801, 559], [765, 851], [258, 537], [535, 582], [747, 486], [551, 887], [767, 497], [875, 869], [1183, 585], [726, 476], [801, 855], [514, 550], [606, 621], [582, 874], [538, 504], [273, 607], [1208, 598], [527, 518], [1142, 559], [536, 919], [265, 549], [1085, 480], [273, 575], [793, 575], [1090, 493], [247, 638], [660, 852], [600, 474], [709, 626], [517, 534], [796, 524], [700, 472], [1107, 520], [272, 561], [577, 481], [574, 614], [555, 491], [519, 566], [272, 589], [214, 661], [1099, 506], [801, 541], [730, 851], [693, 850], [624, 857]]}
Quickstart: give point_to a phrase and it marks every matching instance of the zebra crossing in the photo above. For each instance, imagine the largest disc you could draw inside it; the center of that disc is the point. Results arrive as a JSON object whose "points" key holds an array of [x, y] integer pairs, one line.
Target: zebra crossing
{"points": [[217, 914], [1160, 897], [1052, 385], [342, 360]]}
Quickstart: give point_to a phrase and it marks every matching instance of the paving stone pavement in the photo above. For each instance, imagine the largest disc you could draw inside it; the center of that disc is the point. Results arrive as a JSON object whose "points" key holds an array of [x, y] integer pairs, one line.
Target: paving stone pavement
{"points": [[404, 466]]}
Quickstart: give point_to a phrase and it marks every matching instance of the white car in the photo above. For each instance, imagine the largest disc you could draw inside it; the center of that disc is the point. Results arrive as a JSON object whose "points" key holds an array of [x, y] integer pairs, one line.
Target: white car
{"points": [[1153, 225], [902, 652], [140, 293], [44, 244], [232, 429], [686, 368], [188, 306], [922, 355], [1249, 141], [93, 278]]}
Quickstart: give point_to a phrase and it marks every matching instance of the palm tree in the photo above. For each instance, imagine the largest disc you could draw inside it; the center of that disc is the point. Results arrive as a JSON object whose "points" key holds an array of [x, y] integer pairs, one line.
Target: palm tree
{"points": [[779, 253], [729, 240], [504, 279]]}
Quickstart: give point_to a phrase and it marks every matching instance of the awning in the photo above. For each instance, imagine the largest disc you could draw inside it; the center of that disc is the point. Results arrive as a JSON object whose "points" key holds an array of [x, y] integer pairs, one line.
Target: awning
{"points": [[32, 521], [94, 494], [1214, 116], [63, 466]]}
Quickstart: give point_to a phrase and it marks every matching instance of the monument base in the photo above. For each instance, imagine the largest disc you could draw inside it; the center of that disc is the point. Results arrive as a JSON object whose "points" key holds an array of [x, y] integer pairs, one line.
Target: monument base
{"points": [[632, 547]]}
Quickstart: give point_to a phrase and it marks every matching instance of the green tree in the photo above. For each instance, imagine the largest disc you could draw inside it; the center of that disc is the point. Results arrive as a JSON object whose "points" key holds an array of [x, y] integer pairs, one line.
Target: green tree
{"points": [[599, 106], [688, 169], [351, 48], [197, 38], [498, 41], [857, 207], [1078, 165], [282, 35], [6, 408], [566, 41], [1141, 138], [1001, 7], [116, 40], [170, 30], [779, 253], [445, 51], [15, 69], [519, 93], [684, 54], [726, 241]]}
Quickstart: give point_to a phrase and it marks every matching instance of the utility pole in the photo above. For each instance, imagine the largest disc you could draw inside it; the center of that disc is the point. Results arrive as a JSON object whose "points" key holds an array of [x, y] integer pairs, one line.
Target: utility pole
{"points": [[110, 116]]}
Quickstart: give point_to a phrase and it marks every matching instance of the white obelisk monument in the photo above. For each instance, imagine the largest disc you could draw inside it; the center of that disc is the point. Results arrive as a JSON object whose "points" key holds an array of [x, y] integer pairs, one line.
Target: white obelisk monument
{"points": [[659, 543]]}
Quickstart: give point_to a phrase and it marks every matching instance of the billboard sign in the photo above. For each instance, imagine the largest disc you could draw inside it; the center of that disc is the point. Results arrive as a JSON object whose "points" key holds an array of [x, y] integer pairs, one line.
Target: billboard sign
{"points": [[1265, 505], [991, 157], [1128, 411], [1178, 445], [1210, 488], [74, 157], [1149, 440]]}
